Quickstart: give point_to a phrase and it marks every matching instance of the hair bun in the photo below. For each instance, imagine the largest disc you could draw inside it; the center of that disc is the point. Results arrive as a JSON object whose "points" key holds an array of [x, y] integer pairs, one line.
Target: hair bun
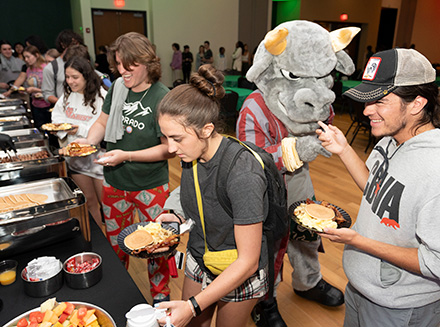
{"points": [[209, 81]]}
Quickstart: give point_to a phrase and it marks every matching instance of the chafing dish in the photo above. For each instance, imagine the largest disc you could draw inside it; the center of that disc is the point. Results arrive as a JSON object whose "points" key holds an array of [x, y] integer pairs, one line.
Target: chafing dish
{"points": [[13, 110], [14, 122], [64, 210], [11, 102], [27, 137], [32, 167]]}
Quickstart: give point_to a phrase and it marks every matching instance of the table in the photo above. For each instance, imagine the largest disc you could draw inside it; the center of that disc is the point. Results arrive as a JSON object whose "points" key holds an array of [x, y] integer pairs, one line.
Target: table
{"points": [[242, 95], [116, 292], [231, 80]]}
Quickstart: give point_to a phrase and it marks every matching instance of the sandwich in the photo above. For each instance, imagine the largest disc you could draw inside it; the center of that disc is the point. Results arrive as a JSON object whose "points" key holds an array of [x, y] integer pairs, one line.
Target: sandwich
{"points": [[318, 216], [151, 238], [138, 239], [290, 156]]}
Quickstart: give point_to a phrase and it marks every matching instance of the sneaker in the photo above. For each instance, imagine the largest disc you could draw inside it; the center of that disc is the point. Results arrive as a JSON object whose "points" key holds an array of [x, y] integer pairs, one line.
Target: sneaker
{"points": [[323, 293]]}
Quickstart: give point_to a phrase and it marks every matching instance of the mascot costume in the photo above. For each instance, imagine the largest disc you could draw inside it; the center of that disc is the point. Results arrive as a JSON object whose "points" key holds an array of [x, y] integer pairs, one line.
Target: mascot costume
{"points": [[292, 69]]}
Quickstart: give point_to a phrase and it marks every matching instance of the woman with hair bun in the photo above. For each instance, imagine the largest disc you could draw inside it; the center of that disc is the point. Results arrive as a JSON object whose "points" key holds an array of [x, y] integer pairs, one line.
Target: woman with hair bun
{"points": [[188, 117]]}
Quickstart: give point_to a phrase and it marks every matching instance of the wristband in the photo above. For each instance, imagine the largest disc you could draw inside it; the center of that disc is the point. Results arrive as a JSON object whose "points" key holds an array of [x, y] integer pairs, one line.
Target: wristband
{"points": [[178, 217], [192, 308], [196, 306]]}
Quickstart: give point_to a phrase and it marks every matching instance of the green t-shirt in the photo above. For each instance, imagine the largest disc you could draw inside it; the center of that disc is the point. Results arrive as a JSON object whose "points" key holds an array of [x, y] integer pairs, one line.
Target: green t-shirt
{"points": [[141, 131]]}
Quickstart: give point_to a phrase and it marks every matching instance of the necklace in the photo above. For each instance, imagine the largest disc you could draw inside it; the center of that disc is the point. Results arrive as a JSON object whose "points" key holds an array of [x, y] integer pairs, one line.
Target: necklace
{"points": [[143, 96]]}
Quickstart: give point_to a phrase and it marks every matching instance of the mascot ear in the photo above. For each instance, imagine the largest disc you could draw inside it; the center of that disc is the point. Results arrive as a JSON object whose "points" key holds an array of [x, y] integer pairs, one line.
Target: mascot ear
{"points": [[274, 44], [344, 64], [342, 37]]}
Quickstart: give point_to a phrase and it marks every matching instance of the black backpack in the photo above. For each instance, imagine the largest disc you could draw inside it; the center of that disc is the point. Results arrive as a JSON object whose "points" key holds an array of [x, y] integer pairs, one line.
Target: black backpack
{"points": [[277, 223]]}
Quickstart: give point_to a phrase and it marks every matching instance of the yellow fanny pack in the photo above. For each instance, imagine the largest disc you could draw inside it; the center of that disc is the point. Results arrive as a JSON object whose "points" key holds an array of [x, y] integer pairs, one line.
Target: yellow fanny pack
{"points": [[215, 261]]}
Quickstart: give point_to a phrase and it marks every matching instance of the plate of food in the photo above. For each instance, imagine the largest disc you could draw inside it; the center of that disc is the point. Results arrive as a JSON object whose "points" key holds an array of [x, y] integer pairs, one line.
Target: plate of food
{"points": [[53, 313], [317, 215], [78, 150], [149, 239], [52, 127]]}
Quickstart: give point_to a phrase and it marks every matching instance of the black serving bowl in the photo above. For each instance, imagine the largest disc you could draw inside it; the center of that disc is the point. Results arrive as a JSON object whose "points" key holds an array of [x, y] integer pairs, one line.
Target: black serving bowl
{"points": [[44, 287], [83, 279]]}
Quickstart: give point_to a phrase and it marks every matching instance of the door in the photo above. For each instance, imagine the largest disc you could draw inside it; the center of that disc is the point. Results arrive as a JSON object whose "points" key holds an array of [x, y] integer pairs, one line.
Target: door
{"points": [[108, 25]]}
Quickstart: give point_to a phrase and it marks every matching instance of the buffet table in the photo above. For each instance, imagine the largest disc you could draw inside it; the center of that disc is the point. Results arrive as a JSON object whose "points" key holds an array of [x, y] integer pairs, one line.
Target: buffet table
{"points": [[116, 293]]}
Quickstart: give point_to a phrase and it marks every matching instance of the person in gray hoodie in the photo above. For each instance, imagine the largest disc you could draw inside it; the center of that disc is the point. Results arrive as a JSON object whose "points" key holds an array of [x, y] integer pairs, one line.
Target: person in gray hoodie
{"points": [[392, 253]]}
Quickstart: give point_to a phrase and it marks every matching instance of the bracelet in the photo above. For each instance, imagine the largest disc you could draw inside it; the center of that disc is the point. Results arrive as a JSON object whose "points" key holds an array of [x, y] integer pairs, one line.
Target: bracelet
{"points": [[191, 307], [196, 306], [178, 217]]}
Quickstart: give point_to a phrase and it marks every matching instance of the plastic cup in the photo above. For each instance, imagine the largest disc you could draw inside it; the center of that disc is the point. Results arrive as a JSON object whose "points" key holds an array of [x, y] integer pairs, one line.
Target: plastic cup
{"points": [[8, 271]]}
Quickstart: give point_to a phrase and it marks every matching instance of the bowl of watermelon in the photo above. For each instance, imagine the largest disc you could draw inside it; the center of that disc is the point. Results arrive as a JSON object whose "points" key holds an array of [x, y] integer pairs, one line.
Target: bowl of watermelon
{"points": [[51, 314], [83, 270]]}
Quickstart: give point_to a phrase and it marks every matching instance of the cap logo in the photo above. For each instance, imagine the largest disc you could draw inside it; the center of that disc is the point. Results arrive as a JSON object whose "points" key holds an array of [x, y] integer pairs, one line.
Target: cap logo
{"points": [[371, 69]]}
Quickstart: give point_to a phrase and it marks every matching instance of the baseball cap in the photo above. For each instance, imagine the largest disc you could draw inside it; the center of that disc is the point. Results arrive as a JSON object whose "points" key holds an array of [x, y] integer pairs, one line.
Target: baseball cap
{"points": [[386, 70]]}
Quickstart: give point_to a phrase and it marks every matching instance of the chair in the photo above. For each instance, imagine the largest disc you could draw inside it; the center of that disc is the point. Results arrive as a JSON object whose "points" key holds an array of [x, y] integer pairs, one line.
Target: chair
{"points": [[228, 108], [359, 121], [245, 84]]}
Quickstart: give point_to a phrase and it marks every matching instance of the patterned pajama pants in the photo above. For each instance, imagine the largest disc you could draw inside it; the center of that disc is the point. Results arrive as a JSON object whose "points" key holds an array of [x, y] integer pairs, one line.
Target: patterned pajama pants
{"points": [[119, 208]]}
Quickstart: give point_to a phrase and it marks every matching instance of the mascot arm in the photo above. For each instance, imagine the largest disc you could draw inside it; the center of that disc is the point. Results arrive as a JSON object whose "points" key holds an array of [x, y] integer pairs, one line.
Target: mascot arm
{"points": [[309, 147]]}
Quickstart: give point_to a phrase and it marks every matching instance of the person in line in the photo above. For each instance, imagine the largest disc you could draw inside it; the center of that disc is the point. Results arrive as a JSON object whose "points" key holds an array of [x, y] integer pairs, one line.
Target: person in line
{"points": [[101, 62], [51, 55], [391, 255], [53, 84], [135, 164], [199, 57], [32, 76], [188, 117], [237, 57], [10, 67], [80, 105], [207, 56], [37, 41], [187, 59], [18, 50], [176, 62]]}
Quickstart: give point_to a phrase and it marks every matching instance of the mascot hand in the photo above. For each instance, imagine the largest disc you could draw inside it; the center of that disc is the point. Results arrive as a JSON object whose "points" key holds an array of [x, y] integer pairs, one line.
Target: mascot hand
{"points": [[309, 147]]}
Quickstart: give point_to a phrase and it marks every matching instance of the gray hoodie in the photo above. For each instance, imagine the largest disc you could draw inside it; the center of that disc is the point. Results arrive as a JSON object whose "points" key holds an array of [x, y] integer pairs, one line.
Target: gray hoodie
{"points": [[405, 211]]}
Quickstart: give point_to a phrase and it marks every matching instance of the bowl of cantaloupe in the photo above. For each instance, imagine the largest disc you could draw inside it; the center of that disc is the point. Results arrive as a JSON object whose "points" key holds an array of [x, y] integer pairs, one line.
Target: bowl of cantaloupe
{"points": [[63, 314]]}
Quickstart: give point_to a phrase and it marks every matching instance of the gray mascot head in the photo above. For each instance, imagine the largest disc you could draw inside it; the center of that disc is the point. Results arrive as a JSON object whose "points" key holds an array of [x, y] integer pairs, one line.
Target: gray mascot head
{"points": [[292, 68]]}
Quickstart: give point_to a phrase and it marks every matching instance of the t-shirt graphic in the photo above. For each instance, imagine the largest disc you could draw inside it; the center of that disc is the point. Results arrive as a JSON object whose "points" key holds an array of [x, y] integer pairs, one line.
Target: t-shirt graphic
{"points": [[131, 110]]}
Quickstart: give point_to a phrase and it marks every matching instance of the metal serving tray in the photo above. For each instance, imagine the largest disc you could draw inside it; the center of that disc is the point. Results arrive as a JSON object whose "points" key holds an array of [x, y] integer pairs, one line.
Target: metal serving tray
{"points": [[14, 122], [65, 201], [10, 102], [27, 137], [12, 110], [53, 165]]}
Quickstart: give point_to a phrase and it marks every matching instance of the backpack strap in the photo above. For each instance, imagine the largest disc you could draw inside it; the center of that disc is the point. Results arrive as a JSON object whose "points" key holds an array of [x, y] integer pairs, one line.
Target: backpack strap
{"points": [[229, 157], [54, 64]]}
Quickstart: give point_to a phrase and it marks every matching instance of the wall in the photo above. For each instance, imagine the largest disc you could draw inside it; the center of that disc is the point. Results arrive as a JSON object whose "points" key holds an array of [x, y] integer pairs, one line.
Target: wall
{"points": [[365, 12], [168, 21], [20, 19], [426, 29]]}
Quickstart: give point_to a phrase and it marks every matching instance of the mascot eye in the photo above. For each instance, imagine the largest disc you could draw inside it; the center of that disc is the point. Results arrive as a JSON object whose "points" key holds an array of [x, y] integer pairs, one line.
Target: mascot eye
{"points": [[289, 75]]}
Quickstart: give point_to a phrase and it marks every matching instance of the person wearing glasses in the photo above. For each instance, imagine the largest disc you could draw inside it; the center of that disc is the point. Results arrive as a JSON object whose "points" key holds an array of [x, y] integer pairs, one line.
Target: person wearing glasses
{"points": [[392, 253]]}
